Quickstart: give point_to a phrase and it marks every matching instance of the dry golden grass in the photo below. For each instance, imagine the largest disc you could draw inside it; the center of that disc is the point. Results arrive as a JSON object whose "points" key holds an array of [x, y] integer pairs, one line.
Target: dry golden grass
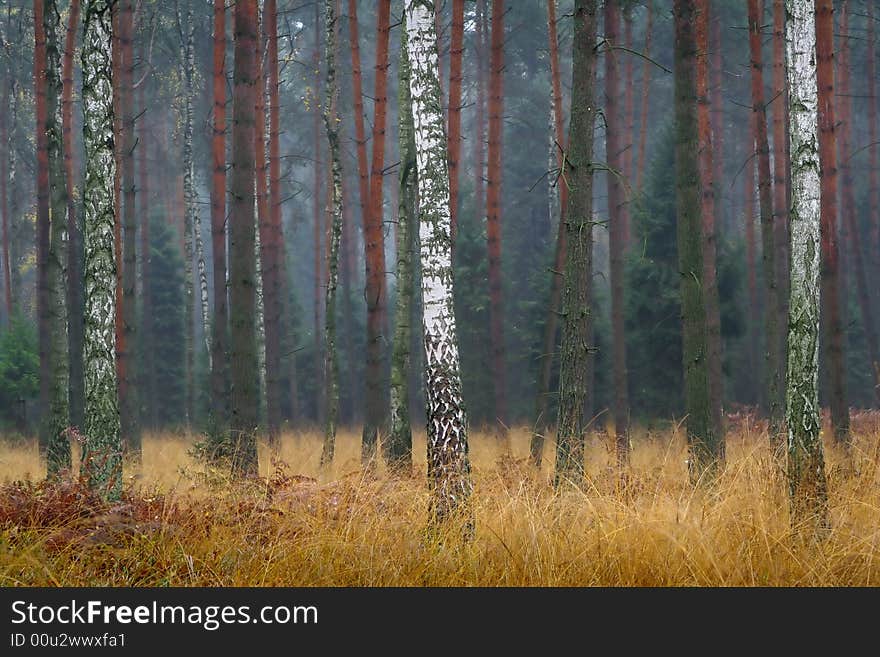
{"points": [[181, 525]]}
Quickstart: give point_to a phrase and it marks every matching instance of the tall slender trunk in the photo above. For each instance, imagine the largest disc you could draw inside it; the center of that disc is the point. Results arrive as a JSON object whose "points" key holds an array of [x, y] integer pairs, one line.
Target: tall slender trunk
{"points": [[456, 49], [646, 88], [274, 318], [705, 448], [542, 419], [399, 452], [751, 265], [42, 219], [614, 145], [4, 200], [219, 348], [320, 410], [779, 111], [242, 265], [830, 282], [772, 357], [374, 247], [717, 113], [331, 121], [102, 450], [708, 208], [58, 456], [148, 372], [449, 472], [628, 122], [349, 284], [118, 63], [493, 215], [74, 228], [359, 131], [576, 361], [268, 231], [480, 118], [128, 403], [806, 469]]}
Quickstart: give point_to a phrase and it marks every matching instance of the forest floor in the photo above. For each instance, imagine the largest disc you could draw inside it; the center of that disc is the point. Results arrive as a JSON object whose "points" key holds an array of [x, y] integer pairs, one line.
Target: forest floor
{"points": [[181, 524]]}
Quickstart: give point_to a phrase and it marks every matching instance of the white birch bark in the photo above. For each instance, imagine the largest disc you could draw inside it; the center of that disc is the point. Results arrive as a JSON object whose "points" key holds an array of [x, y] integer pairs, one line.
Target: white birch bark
{"points": [[806, 460], [102, 447], [448, 464]]}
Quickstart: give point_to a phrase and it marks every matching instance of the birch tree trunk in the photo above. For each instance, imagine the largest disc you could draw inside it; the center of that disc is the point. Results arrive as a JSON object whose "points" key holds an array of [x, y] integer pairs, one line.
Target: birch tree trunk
{"points": [[705, 449], [806, 464], [576, 366], [331, 126], [58, 456], [399, 451], [449, 471], [102, 449]]}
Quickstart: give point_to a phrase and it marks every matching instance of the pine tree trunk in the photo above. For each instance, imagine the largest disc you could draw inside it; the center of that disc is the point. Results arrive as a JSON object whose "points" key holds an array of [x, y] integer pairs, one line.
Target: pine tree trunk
{"points": [[717, 111], [628, 122], [751, 267], [830, 281], [493, 216], [449, 472], [275, 317], [708, 209], [331, 122], [242, 265], [772, 357], [320, 411], [576, 360], [268, 236], [705, 448], [646, 88], [58, 457], [480, 118], [536, 447], [779, 109], [219, 349], [4, 199], [102, 449], [74, 228], [374, 247], [456, 50], [359, 131], [148, 372], [399, 452], [806, 470], [42, 221], [614, 148], [128, 404]]}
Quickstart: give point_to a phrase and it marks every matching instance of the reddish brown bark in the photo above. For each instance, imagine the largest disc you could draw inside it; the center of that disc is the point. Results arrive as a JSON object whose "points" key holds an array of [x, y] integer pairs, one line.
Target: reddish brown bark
{"points": [[751, 273], [707, 168], [42, 192], [219, 346], [772, 361], [455, 56], [779, 108], [626, 143], [830, 290], [269, 220], [717, 110], [374, 245], [549, 342], [646, 88], [74, 231], [614, 145], [493, 214], [480, 141]]}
